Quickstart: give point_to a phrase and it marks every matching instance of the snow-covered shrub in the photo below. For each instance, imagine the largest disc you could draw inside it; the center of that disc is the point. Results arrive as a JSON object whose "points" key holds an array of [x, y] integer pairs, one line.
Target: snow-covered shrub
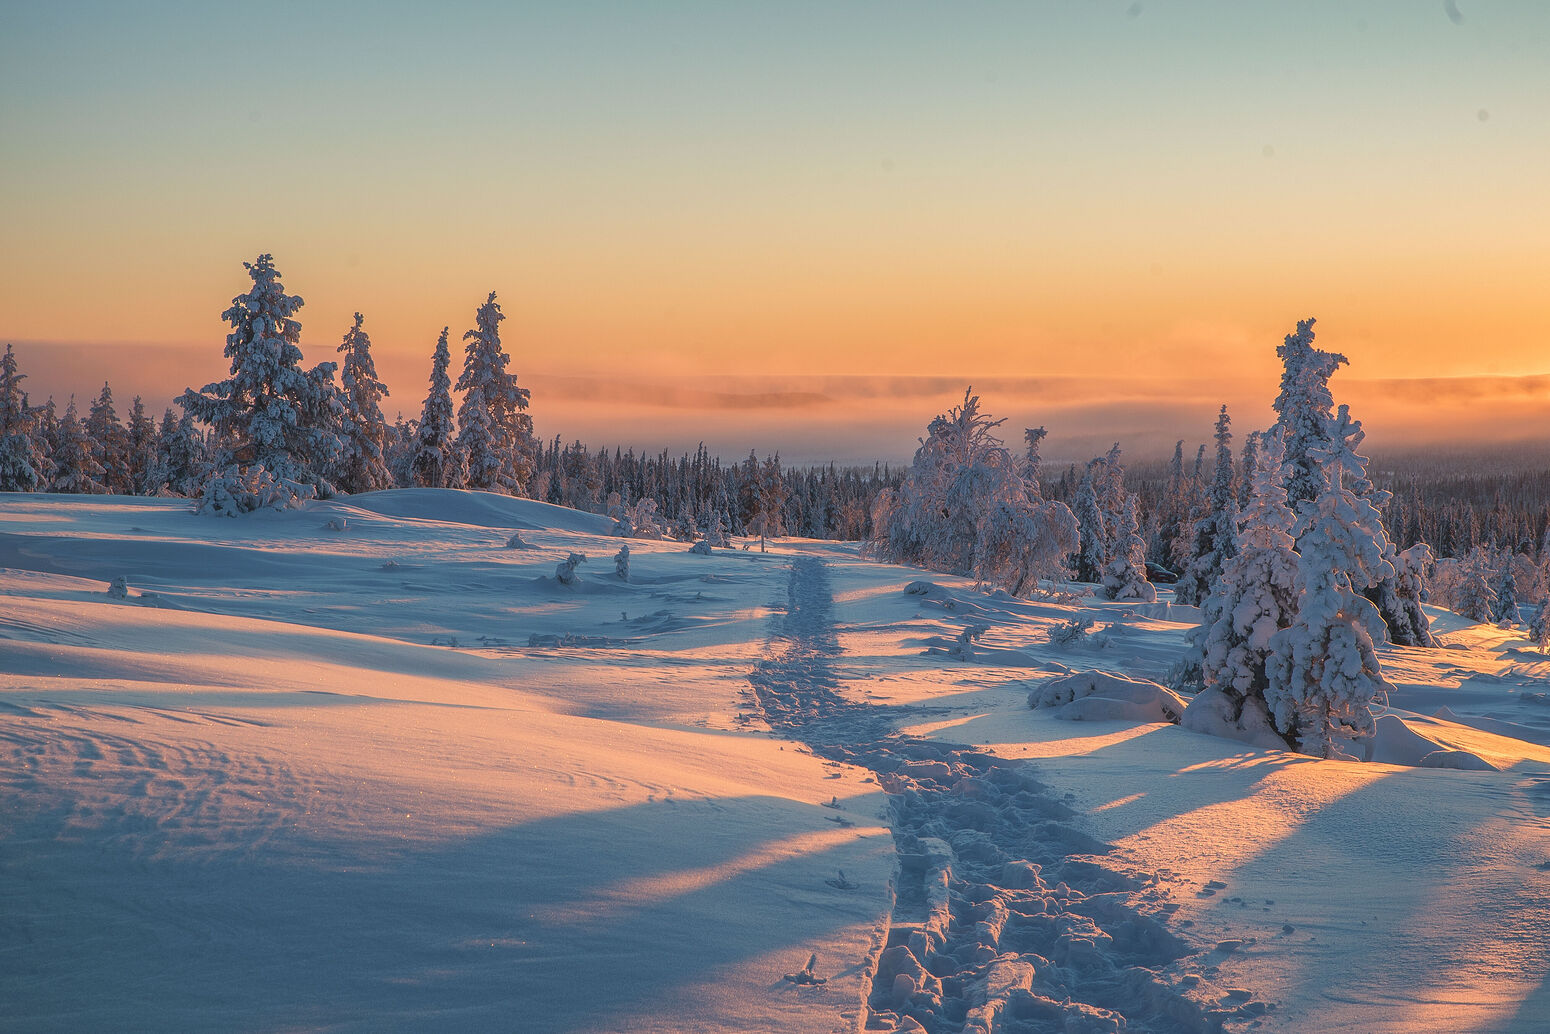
{"points": [[622, 563], [920, 588], [700, 548], [1069, 633], [640, 521], [964, 646], [517, 541], [565, 570], [236, 490], [966, 508], [118, 588]]}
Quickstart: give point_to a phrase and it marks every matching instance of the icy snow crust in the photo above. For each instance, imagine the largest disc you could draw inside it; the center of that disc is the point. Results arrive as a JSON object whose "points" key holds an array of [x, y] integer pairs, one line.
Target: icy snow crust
{"points": [[310, 774]]}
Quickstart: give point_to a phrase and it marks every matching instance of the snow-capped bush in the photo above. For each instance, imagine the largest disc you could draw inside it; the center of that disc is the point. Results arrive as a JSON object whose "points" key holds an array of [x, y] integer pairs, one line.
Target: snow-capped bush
{"points": [[622, 563], [966, 508], [1069, 633], [700, 548], [565, 570]]}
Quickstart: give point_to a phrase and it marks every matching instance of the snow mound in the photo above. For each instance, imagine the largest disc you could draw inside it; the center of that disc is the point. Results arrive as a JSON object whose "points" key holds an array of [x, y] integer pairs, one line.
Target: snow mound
{"points": [[1512, 730], [1093, 696], [1211, 712], [1398, 744], [1163, 611], [479, 509]]}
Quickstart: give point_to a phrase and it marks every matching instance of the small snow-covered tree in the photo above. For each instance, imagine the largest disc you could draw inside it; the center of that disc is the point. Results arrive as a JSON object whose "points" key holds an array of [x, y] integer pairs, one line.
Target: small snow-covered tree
{"points": [[21, 453], [1255, 598], [1539, 625], [1505, 613], [622, 563], [437, 462], [1125, 577], [1093, 553], [275, 424], [76, 469], [1324, 674], [1401, 597], [362, 462], [1475, 598], [109, 443], [1215, 538], [142, 447]]}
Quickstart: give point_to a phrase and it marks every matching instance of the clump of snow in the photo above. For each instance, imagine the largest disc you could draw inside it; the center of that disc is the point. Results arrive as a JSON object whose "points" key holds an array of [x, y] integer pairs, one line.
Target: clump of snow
{"points": [[118, 589], [1090, 696], [1212, 712], [700, 548], [622, 563], [337, 524], [565, 570], [920, 588], [517, 542]]}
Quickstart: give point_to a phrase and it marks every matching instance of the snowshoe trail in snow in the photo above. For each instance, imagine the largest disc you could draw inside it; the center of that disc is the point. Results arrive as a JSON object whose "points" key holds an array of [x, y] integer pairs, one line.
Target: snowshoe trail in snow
{"points": [[1007, 919]]}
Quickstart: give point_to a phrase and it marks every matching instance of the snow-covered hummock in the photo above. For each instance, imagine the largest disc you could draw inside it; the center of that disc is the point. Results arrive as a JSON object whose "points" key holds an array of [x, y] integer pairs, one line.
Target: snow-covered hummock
{"points": [[362, 461], [1324, 673], [276, 424], [1255, 597], [1125, 577], [298, 779]]}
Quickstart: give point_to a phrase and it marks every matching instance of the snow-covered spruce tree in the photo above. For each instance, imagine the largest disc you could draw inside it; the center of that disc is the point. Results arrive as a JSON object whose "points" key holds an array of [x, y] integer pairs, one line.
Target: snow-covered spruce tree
{"points": [[1255, 597], [142, 448], [21, 452], [1215, 537], [109, 443], [1247, 461], [275, 425], [1125, 577], [1400, 598], [495, 434], [1476, 598], [1093, 553], [1539, 625], [1323, 673], [437, 462], [362, 463], [622, 563], [965, 508], [182, 457], [769, 519], [76, 470], [1505, 613]]}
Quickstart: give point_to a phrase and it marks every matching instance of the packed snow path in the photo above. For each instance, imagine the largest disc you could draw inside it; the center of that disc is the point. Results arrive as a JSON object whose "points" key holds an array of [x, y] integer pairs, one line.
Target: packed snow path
{"points": [[1006, 919]]}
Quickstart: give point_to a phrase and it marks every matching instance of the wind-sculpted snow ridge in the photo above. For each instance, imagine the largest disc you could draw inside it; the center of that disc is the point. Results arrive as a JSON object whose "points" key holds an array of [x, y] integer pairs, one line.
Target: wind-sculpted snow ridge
{"points": [[1007, 919]]}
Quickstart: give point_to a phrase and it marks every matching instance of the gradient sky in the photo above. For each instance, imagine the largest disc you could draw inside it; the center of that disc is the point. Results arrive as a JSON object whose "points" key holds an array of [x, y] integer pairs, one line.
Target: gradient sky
{"points": [[953, 192]]}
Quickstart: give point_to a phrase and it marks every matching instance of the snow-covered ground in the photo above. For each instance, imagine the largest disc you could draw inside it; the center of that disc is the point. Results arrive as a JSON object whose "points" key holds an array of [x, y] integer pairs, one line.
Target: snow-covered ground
{"points": [[364, 766]]}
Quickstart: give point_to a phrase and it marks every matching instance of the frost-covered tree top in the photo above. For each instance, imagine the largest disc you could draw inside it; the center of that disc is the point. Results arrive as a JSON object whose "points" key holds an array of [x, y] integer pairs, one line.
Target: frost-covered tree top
{"points": [[1304, 407], [495, 436]]}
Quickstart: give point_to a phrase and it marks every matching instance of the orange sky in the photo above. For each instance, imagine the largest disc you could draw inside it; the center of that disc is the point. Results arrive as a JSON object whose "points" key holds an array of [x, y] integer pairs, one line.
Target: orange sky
{"points": [[658, 193]]}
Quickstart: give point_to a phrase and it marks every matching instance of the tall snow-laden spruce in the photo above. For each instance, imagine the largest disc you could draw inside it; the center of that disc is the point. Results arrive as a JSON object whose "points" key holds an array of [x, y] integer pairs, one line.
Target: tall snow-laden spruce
{"points": [[109, 443], [362, 463], [1093, 532], [1255, 598], [21, 452], [966, 508], [275, 425], [1215, 534], [75, 467], [1324, 674], [436, 462], [495, 435], [1125, 577]]}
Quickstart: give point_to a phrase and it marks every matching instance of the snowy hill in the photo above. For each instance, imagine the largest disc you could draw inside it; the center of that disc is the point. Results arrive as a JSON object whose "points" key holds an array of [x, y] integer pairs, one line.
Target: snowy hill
{"points": [[363, 766]]}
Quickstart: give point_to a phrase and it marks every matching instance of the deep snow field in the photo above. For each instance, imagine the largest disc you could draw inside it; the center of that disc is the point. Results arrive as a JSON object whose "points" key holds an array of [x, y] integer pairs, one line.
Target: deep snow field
{"points": [[393, 775]]}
